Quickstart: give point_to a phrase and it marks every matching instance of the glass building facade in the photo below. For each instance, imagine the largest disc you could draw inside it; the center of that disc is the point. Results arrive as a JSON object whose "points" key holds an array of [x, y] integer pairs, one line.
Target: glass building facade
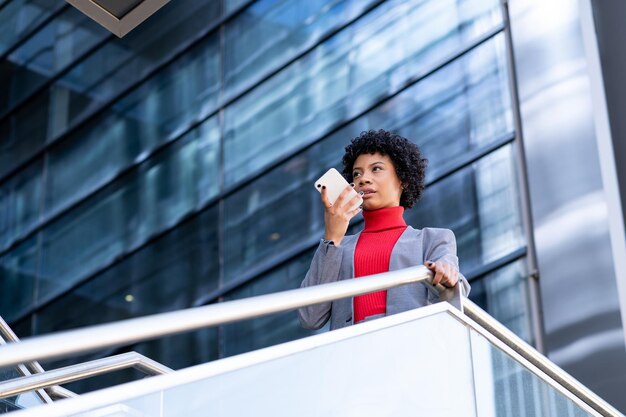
{"points": [[174, 167]]}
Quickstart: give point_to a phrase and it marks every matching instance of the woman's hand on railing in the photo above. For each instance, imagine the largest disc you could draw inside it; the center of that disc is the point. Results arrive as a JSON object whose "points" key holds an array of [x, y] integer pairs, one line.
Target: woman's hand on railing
{"points": [[445, 274]]}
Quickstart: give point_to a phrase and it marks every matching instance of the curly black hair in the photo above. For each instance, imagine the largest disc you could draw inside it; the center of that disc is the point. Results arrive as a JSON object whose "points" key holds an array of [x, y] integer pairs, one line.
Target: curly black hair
{"points": [[405, 155]]}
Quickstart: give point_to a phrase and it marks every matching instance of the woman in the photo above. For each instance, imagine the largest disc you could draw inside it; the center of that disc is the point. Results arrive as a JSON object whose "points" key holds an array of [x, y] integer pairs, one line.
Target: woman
{"points": [[388, 171]]}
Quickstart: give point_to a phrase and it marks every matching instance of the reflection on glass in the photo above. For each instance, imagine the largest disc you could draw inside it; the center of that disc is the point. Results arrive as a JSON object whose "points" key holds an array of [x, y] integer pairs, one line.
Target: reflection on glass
{"points": [[504, 295], [20, 202], [103, 151], [19, 17], [266, 331], [107, 72], [123, 62], [18, 279], [506, 388], [272, 214], [480, 204], [344, 75], [48, 52], [271, 32], [168, 274], [23, 133], [232, 5], [127, 213]]}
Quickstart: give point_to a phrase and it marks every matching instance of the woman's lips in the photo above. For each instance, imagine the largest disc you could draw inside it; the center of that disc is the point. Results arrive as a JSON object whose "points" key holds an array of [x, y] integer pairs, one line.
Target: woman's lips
{"points": [[368, 194]]}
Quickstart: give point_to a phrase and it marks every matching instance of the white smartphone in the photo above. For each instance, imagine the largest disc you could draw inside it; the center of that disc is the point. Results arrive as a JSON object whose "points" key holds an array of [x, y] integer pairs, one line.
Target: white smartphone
{"points": [[335, 184]]}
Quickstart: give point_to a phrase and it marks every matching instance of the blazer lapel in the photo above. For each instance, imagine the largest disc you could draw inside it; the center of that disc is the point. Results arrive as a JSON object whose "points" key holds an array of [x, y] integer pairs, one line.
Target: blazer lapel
{"points": [[407, 252]]}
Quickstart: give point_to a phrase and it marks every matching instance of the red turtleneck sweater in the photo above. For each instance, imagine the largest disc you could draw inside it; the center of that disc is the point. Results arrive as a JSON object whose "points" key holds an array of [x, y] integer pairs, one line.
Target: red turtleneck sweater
{"points": [[382, 230]]}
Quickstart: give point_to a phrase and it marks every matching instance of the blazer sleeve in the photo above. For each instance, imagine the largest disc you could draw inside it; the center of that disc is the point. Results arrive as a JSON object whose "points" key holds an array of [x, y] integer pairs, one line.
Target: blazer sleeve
{"points": [[440, 245], [324, 268]]}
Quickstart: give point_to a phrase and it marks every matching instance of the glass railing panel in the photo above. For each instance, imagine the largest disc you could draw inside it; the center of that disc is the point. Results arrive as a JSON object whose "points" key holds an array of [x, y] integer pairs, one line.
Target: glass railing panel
{"points": [[504, 387], [117, 410], [19, 402], [8, 406], [390, 367]]}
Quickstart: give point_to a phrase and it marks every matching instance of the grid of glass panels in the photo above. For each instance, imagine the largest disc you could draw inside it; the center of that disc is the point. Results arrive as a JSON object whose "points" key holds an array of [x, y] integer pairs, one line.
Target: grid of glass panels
{"points": [[147, 174]]}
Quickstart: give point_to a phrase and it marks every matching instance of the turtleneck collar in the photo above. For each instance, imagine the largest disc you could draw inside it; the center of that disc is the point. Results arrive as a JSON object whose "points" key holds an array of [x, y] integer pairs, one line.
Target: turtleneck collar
{"points": [[383, 219]]}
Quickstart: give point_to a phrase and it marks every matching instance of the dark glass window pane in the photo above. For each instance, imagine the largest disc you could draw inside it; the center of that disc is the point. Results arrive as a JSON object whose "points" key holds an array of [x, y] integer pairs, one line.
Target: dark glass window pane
{"points": [[77, 168], [504, 295], [480, 204], [19, 17], [21, 137], [346, 74], [20, 203], [449, 110], [18, 279], [113, 68], [24, 327], [257, 333], [274, 214], [185, 91], [232, 5], [48, 52], [128, 212], [123, 62], [168, 274], [271, 32]]}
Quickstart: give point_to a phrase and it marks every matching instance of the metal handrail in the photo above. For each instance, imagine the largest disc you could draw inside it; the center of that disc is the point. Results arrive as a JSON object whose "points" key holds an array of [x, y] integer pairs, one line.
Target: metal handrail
{"points": [[149, 327], [81, 371], [510, 339], [139, 329]]}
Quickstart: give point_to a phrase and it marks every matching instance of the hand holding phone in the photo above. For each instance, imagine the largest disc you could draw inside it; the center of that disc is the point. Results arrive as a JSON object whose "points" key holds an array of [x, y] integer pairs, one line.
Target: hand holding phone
{"points": [[336, 221], [335, 183]]}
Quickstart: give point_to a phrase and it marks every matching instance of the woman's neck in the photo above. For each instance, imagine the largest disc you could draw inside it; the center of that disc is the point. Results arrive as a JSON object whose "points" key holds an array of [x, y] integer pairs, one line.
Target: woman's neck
{"points": [[383, 219]]}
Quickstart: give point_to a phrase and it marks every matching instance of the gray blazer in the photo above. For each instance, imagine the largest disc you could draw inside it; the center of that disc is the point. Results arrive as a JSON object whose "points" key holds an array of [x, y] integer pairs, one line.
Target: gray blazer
{"points": [[414, 247]]}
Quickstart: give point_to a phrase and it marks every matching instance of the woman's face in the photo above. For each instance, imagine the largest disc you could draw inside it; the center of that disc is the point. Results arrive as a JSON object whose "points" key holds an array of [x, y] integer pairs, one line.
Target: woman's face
{"points": [[375, 175]]}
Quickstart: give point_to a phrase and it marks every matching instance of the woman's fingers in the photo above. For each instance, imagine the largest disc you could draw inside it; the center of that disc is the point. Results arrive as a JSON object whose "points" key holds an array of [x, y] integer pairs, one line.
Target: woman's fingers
{"points": [[453, 276], [340, 200], [354, 212], [437, 268], [355, 201], [324, 198], [445, 274]]}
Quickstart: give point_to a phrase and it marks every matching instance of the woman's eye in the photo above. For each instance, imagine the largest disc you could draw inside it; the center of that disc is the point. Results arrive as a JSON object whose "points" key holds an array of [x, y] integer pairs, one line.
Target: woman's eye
{"points": [[375, 168], [356, 174]]}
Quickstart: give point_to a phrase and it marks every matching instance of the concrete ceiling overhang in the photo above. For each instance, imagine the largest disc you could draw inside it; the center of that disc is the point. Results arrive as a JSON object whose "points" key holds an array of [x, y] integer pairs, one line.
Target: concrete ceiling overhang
{"points": [[118, 16]]}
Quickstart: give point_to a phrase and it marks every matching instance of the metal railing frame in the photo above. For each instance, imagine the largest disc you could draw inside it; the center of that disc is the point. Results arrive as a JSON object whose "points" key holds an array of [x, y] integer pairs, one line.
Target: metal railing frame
{"points": [[46, 383], [81, 371], [7, 335], [166, 324]]}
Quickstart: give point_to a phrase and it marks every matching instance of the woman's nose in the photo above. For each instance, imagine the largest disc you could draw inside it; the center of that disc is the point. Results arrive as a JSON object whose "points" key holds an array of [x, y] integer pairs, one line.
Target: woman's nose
{"points": [[364, 180]]}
